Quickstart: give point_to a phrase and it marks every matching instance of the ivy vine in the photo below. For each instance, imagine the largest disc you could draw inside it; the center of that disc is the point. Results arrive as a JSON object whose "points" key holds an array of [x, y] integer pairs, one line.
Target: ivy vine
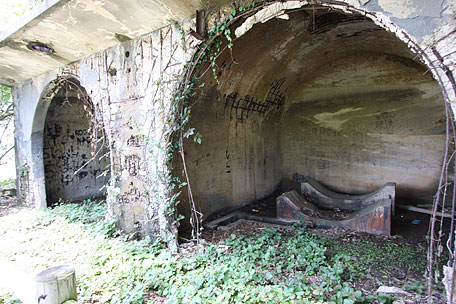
{"points": [[218, 40]]}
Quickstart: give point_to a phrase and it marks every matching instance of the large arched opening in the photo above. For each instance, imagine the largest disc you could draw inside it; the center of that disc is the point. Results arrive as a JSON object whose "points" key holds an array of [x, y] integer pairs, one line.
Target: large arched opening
{"points": [[71, 161], [325, 94]]}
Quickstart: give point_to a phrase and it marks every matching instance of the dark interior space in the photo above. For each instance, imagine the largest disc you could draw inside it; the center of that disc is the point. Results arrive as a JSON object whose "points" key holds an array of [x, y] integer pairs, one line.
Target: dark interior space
{"points": [[74, 167], [324, 94]]}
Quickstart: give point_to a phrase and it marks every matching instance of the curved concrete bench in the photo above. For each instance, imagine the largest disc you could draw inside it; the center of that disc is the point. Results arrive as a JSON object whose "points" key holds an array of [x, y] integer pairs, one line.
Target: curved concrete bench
{"points": [[325, 198]]}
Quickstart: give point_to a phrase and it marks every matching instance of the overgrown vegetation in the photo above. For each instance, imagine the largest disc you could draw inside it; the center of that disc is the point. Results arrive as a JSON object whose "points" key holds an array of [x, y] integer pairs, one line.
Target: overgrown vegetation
{"points": [[6, 121], [383, 263], [289, 266], [269, 268], [163, 185]]}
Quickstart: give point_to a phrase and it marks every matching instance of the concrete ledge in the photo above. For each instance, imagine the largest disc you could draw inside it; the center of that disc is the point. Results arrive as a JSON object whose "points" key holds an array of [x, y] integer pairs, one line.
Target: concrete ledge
{"points": [[230, 220], [323, 197]]}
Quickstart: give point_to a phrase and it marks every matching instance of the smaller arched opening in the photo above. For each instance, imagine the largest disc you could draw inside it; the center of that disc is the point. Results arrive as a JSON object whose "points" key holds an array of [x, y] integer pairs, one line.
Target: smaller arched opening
{"points": [[70, 160]]}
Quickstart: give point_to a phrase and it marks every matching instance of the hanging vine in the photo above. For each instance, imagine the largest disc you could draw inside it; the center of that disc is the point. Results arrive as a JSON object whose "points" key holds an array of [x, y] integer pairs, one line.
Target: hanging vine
{"points": [[205, 59], [98, 143], [444, 195]]}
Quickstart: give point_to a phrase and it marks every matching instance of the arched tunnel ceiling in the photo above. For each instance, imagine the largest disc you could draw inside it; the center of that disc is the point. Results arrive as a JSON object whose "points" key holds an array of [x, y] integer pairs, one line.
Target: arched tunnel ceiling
{"points": [[305, 46], [329, 95]]}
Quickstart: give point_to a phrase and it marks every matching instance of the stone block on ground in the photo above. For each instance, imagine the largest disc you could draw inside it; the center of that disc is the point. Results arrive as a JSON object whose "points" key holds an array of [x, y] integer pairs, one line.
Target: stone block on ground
{"points": [[56, 285]]}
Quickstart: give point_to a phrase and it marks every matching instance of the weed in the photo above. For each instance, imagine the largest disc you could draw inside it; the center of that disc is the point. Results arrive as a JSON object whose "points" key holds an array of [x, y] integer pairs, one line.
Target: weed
{"points": [[89, 212], [368, 257], [7, 298], [9, 182], [269, 267]]}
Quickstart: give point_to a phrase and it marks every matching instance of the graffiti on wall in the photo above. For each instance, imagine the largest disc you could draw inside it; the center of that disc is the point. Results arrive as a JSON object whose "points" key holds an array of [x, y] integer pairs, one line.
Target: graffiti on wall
{"points": [[241, 108], [71, 171]]}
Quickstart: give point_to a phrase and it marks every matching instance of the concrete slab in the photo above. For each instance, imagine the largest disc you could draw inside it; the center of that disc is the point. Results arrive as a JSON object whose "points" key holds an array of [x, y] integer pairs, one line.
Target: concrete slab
{"points": [[323, 197], [74, 29]]}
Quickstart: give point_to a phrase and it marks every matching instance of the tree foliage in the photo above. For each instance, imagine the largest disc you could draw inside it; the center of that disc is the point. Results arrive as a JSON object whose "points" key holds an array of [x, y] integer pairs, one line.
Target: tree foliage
{"points": [[6, 122], [12, 10], [6, 102]]}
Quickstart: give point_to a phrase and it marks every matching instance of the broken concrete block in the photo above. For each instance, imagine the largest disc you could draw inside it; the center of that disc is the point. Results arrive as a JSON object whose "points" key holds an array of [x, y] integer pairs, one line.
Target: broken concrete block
{"points": [[392, 290], [291, 204], [374, 218], [447, 278]]}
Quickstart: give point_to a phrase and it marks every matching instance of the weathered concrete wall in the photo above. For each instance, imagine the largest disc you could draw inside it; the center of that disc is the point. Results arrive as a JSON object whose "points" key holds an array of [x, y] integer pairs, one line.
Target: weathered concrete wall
{"points": [[365, 121], [74, 169], [31, 106], [131, 87], [306, 71], [332, 96], [238, 160]]}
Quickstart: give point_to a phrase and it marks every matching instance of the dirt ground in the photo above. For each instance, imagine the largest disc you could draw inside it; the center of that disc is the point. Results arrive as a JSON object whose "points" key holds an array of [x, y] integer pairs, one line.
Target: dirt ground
{"points": [[9, 205]]}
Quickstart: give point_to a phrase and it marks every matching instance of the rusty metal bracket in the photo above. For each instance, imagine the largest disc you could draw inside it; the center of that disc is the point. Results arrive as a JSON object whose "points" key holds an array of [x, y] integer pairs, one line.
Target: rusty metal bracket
{"points": [[200, 32]]}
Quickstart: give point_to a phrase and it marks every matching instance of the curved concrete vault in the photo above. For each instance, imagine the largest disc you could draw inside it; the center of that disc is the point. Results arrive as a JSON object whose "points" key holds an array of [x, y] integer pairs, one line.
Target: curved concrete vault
{"points": [[324, 94]]}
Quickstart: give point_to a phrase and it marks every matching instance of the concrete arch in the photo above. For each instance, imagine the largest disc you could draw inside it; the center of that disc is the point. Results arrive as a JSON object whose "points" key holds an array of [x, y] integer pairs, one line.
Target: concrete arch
{"points": [[429, 55], [45, 195], [255, 94], [36, 139]]}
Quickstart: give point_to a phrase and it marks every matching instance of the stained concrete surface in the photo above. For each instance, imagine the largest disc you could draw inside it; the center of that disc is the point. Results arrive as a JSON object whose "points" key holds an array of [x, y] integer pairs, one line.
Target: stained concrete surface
{"points": [[331, 96], [68, 149], [381, 121], [75, 29], [412, 9], [273, 63], [78, 28]]}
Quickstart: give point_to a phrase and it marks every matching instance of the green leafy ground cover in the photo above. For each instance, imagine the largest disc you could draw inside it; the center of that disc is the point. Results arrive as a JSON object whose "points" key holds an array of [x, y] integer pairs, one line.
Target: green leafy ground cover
{"points": [[271, 266]]}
